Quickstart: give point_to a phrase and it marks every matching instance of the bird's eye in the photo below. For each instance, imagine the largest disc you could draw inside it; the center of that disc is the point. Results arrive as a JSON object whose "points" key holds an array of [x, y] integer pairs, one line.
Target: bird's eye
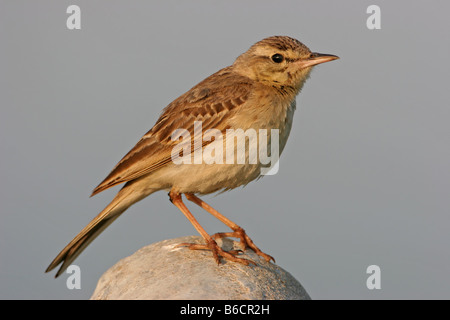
{"points": [[277, 58]]}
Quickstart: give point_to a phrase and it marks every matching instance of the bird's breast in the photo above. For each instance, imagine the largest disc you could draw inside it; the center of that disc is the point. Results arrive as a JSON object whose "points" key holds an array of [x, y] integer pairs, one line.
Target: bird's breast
{"points": [[256, 136]]}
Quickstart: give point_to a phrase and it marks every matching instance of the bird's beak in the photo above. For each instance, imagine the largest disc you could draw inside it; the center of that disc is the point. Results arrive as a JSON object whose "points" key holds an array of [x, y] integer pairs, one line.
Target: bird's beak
{"points": [[316, 58]]}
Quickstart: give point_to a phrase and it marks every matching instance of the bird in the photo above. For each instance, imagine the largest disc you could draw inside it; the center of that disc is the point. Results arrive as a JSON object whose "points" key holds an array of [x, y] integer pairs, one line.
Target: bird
{"points": [[257, 91]]}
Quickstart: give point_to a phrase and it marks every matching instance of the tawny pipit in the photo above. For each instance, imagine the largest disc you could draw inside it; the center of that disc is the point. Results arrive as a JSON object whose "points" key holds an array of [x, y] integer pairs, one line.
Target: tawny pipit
{"points": [[257, 91]]}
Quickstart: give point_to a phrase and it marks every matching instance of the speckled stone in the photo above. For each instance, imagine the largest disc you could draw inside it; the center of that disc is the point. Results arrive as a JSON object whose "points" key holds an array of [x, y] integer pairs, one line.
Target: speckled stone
{"points": [[163, 271]]}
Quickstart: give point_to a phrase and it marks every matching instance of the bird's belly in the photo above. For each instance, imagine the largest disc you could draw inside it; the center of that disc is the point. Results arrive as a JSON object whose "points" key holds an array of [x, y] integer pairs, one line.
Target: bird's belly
{"points": [[209, 178], [213, 169]]}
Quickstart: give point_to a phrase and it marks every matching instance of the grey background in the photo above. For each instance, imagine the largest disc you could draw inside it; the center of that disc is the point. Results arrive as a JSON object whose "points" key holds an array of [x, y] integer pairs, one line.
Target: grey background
{"points": [[364, 178]]}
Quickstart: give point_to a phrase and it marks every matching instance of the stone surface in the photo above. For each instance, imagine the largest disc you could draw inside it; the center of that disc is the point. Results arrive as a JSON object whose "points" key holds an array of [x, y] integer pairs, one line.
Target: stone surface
{"points": [[164, 271]]}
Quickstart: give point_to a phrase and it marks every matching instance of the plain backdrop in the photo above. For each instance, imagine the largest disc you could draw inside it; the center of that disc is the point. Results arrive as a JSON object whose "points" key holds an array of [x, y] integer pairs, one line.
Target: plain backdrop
{"points": [[364, 179]]}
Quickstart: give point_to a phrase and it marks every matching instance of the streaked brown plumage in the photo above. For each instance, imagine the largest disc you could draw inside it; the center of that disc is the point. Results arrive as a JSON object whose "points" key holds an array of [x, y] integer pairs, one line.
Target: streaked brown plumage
{"points": [[257, 91]]}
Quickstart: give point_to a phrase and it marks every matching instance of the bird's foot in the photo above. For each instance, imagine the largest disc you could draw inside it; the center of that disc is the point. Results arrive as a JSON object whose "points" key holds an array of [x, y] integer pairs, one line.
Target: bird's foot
{"points": [[218, 252], [245, 241]]}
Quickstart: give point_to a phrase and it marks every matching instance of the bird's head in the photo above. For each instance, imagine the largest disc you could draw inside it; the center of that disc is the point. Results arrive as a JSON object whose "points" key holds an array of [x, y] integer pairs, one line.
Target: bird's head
{"points": [[279, 61]]}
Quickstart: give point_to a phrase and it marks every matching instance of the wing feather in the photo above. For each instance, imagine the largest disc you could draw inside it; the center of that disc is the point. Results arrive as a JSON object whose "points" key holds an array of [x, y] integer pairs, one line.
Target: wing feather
{"points": [[209, 102]]}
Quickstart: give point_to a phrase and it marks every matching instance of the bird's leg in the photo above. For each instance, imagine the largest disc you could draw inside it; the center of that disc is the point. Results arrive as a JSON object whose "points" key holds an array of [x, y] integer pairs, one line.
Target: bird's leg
{"points": [[238, 232], [211, 244]]}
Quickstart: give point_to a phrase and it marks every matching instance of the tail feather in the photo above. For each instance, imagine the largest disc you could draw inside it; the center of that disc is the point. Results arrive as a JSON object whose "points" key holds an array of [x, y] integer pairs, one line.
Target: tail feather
{"points": [[122, 201], [73, 249]]}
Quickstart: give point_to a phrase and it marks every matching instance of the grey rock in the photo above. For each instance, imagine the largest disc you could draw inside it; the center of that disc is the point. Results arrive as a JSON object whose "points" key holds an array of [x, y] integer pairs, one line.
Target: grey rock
{"points": [[164, 271]]}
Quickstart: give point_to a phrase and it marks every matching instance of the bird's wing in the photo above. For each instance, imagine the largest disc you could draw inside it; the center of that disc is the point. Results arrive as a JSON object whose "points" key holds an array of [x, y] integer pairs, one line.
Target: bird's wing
{"points": [[212, 101]]}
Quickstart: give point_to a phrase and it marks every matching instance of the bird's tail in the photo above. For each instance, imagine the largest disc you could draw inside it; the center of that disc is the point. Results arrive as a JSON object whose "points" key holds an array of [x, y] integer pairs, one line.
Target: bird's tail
{"points": [[122, 201]]}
